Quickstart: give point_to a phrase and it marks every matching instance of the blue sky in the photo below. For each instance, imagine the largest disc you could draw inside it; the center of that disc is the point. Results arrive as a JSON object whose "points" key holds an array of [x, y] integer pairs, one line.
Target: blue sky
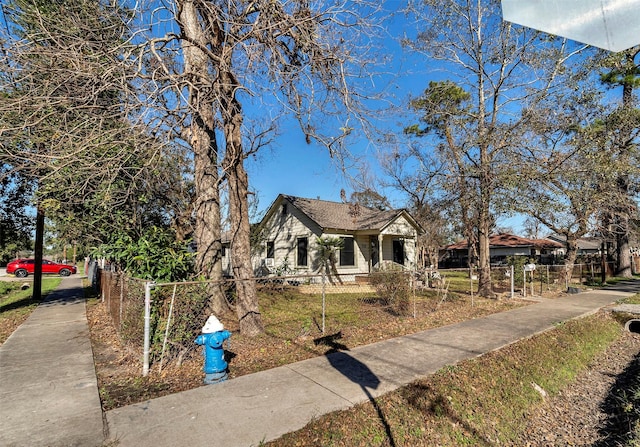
{"points": [[294, 167]]}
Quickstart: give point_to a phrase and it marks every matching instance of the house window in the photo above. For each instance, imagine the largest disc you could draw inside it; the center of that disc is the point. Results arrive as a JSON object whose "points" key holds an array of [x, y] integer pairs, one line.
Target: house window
{"points": [[303, 245], [347, 253], [271, 249]]}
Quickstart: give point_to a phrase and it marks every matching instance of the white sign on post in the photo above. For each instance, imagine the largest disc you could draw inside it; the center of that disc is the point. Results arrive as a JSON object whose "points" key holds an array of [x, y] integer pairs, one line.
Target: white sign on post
{"points": [[610, 24]]}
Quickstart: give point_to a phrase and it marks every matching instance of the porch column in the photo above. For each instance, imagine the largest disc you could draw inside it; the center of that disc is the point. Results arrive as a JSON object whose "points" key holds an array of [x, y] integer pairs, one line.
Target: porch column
{"points": [[380, 237]]}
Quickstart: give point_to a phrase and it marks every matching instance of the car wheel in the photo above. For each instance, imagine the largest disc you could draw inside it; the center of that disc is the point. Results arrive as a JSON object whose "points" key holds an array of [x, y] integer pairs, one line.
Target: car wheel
{"points": [[65, 272], [21, 273]]}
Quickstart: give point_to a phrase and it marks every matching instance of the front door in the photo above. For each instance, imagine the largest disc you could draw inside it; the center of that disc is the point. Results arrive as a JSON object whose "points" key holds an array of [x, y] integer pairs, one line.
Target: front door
{"points": [[398, 251], [373, 252]]}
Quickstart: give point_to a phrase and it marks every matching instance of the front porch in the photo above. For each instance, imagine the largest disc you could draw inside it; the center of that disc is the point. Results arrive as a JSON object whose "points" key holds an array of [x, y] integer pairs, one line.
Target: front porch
{"points": [[389, 249]]}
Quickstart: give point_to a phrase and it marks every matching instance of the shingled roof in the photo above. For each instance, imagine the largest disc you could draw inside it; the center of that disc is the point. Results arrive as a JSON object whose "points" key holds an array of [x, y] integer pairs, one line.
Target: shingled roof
{"points": [[345, 216], [509, 240]]}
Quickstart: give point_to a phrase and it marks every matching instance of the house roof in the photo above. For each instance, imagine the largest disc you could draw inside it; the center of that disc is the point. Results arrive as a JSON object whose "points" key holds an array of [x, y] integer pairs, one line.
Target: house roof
{"points": [[505, 240], [345, 216], [584, 243]]}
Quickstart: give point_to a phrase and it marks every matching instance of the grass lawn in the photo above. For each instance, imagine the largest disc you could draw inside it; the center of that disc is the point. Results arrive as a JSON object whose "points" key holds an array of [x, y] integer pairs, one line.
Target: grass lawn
{"points": [[483, 401], [16, 305]]}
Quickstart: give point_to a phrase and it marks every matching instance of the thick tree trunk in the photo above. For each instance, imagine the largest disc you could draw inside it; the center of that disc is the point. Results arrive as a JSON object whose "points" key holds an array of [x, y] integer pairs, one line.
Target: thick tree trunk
{"points": [[247, 308], [570, 258], [208, 230], [485, 288], [623, 251], [623, 259]]}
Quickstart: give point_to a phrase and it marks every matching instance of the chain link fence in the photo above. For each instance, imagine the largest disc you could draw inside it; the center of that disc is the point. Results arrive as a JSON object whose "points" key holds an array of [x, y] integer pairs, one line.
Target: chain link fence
{"points": [[545, 280], [163, 319]]}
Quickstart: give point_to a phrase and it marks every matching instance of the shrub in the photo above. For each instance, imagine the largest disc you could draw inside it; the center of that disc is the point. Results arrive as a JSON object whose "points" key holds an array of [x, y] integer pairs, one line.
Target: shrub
{"points": [[394, 288], [156, 255], [518, 263]]}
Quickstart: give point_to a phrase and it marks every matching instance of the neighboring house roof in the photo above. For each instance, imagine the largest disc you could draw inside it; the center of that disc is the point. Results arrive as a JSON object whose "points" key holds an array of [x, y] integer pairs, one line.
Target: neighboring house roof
{"points": [[344, 216], [505, 240], [584, 243]]}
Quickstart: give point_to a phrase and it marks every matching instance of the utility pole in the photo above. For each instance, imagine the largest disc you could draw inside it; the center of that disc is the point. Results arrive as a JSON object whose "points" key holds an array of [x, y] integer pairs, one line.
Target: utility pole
{"points": [[603, 260], [37, 268]]}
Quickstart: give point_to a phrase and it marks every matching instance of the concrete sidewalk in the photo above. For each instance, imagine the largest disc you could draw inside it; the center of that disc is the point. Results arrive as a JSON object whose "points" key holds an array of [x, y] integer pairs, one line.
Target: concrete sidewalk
{"points": [[264, 406], [49, 394], [48, 387]]}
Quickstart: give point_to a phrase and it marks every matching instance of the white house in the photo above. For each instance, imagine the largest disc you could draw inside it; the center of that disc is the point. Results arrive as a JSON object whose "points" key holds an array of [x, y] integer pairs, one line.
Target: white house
{"points": [[370, 237]]}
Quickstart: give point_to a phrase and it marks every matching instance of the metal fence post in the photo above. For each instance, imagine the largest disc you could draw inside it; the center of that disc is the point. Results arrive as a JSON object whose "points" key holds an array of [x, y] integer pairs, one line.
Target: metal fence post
{"points": [[513, 279], [122, 281], [147, 326], [166, 332], [548, 279], [324, 281]]}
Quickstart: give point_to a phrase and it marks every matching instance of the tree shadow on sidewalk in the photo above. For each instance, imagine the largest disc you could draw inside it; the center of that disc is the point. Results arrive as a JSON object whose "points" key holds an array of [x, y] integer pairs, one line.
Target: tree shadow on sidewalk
{"points": [[358, 373], [24, 302]]}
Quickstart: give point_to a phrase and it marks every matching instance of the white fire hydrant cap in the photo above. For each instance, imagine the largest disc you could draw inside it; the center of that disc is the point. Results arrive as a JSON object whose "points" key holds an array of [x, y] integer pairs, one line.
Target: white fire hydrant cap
{"points": [[212, 325]]}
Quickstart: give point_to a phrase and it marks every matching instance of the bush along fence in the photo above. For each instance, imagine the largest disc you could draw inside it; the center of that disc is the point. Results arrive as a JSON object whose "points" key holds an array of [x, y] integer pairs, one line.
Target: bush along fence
{"points": [[162, 320]]}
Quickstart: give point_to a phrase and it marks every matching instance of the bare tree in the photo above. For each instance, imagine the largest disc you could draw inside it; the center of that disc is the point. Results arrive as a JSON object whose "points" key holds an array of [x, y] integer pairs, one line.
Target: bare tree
{"points": [[495, 69], [196, 42], [560, 176], [94, 92], [415, 174], [280, 58], [532, 228], [563, 194]]}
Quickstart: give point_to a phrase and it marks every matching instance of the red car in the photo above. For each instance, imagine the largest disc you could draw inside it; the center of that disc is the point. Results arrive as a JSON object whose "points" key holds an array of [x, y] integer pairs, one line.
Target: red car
{"points": [[22, 267]]}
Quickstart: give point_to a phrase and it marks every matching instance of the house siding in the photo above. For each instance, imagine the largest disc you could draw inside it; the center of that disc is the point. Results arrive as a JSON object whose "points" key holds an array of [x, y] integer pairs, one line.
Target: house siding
{"points": [[400, 230], [511, 251], [409, 250], [360, 248], [284, 229], [362, 253], [400, 226]]}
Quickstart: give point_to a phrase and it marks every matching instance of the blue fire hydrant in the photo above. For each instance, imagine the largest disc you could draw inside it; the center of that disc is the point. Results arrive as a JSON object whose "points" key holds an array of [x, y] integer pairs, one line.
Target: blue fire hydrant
{"points": [[213, 335]]}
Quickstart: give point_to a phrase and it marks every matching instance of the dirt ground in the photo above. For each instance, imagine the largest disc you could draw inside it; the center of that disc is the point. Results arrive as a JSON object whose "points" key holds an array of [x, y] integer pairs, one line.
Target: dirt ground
{"points": [[118, 367], [595, 410]]}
